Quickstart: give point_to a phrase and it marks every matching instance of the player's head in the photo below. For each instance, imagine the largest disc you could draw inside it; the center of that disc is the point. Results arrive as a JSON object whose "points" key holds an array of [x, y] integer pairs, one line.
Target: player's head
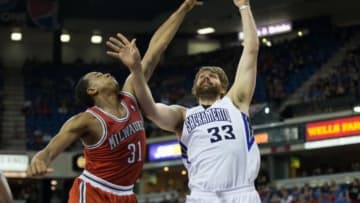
{"points": [[210, 81], [93, 83]]}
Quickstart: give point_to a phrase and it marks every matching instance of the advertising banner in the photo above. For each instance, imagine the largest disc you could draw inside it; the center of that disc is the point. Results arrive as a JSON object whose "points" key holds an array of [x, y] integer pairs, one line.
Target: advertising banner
{"points": [[164, 151], [333, 128]]}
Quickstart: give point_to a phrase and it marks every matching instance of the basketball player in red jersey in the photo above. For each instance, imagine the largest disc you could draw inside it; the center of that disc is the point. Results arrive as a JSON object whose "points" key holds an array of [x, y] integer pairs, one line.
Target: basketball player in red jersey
{"points": [[111, 129]]}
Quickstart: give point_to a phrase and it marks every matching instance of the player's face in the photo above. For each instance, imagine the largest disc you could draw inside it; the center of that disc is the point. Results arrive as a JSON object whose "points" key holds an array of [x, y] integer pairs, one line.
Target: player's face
{"points": [[208, 83], [101, 81]]}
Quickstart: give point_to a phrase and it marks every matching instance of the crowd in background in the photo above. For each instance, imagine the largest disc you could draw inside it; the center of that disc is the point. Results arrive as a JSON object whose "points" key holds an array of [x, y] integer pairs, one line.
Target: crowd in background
{"points": [[328, 192], [344, 80], [49, 89]]}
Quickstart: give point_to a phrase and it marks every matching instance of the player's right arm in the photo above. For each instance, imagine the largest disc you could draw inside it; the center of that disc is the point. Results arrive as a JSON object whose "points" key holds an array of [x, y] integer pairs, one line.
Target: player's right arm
{"points": [[163, 36], [242, 90], [68, 134], [169, 118], [158, 43], [166, 117]]}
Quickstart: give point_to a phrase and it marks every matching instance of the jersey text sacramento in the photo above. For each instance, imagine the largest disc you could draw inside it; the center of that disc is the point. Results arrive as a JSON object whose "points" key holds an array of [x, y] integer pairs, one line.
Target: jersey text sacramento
{"points": [[205, 117]]}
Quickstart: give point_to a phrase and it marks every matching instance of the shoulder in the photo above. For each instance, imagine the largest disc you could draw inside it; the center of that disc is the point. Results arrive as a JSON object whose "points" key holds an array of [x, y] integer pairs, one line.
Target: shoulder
{"points": [[241, 106], [81, 117], [127, 97], [82, 120], [193, 109], [129, 100], [181, 110], [128, 94], [127, 86], [178, 108]]}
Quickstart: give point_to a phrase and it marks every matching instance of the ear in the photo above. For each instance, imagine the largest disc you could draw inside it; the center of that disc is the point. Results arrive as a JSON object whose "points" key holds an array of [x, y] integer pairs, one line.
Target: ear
{"points": [[223, 91], [92, 91]]}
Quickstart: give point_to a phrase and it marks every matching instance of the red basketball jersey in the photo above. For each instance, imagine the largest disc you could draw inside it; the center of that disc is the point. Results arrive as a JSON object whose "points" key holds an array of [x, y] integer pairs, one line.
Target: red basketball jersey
{"points": [[119, 155]]}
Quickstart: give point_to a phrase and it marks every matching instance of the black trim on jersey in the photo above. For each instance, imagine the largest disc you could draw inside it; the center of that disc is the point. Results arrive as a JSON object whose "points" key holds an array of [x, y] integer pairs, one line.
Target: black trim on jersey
{"points": [[205, 106]]}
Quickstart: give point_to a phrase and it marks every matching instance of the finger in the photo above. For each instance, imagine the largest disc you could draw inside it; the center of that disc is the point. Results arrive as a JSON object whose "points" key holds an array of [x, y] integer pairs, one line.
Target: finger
{"points": [[123, 38], [112, 46], [41, 167], [199, 3], [133, 42], [33, 169], [50, 170], [29, 171], [112, 54], [116, 42]]}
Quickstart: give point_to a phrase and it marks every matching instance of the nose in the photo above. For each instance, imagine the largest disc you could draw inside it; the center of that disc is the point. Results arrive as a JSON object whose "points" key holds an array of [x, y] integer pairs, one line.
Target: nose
{"points": [[206, 77]]}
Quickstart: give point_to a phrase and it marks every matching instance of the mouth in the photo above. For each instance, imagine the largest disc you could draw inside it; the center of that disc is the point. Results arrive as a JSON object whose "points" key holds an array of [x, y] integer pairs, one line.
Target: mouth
{"points": [[205, 83]]}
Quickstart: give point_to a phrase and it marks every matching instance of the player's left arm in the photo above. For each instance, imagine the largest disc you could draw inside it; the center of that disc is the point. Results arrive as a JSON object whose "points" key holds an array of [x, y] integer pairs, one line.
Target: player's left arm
{"points": [[241, 92], [158, 43]]}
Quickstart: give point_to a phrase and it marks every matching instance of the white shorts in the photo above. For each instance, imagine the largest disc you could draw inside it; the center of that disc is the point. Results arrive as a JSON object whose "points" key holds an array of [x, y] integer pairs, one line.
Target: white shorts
{"points": [[243, 195]]}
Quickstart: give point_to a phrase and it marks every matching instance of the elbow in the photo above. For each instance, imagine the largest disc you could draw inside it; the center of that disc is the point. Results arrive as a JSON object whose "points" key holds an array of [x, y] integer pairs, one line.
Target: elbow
{"points": [[158, 44], [152, 118], [153, 58], [150, 114]]}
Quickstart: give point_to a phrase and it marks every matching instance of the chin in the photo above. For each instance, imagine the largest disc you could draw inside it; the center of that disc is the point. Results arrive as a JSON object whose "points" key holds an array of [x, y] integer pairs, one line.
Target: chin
{"points": [[208, 94]]}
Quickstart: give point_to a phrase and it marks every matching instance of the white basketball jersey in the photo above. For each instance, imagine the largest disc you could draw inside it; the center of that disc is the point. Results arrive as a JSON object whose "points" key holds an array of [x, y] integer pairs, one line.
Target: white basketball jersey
{"points": [[218, 148]]}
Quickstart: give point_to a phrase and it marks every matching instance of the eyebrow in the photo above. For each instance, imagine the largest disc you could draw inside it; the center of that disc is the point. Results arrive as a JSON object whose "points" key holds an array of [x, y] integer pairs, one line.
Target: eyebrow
{"points": [[210, 73]]}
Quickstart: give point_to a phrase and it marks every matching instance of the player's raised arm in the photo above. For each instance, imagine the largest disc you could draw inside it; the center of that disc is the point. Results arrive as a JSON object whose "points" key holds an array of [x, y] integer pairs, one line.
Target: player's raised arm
{"points": [[158, 43], [166, 117], [242, 90], [163, 36], [70, 131]]}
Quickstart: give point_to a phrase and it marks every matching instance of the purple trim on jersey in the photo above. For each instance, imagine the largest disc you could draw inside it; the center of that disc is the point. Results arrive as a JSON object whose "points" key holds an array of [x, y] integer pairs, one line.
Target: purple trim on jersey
{"points": [[184, 152], [249, 138]]}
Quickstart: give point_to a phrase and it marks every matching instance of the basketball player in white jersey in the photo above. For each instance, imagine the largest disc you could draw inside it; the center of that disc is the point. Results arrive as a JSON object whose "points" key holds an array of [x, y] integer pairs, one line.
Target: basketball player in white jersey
{"points": [[217, 142]]}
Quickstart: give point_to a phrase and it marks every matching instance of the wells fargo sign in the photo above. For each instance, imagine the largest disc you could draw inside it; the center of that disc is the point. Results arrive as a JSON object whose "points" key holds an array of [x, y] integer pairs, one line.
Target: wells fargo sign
{"points": [[333, 128]]}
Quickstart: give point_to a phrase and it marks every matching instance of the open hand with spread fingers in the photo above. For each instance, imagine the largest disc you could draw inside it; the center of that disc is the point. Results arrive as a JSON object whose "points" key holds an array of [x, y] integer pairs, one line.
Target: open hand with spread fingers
{"points": [[124, 50]]}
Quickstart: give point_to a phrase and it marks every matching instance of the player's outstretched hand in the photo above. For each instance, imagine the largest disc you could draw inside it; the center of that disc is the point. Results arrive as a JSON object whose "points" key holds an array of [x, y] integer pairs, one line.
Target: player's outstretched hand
{"points": [[124, 50]]}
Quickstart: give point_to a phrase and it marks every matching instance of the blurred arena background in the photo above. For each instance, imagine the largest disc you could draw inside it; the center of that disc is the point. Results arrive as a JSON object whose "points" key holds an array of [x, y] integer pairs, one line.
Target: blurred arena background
{"points": [[305, 112]]}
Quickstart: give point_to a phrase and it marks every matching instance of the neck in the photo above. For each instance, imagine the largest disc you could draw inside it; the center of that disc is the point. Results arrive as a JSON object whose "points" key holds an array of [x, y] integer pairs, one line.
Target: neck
{"points": [[208, 101], [108, 102]]}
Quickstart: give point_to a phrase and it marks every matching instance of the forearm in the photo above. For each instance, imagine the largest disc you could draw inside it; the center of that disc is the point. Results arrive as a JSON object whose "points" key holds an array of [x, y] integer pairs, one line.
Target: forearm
{"points": [[44, 155], [56, 146], [168, 29], [143, 94], [251, 39], [165, 117], [162, 38], [243, 88]]}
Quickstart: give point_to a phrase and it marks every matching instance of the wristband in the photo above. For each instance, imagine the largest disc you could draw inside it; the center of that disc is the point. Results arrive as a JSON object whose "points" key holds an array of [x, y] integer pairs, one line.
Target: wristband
{"points": [[243, 7]]}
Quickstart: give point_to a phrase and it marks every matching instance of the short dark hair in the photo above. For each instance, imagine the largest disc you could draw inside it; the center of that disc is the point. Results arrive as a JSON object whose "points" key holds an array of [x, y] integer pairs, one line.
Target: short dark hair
{"points": [[82, 97]]}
